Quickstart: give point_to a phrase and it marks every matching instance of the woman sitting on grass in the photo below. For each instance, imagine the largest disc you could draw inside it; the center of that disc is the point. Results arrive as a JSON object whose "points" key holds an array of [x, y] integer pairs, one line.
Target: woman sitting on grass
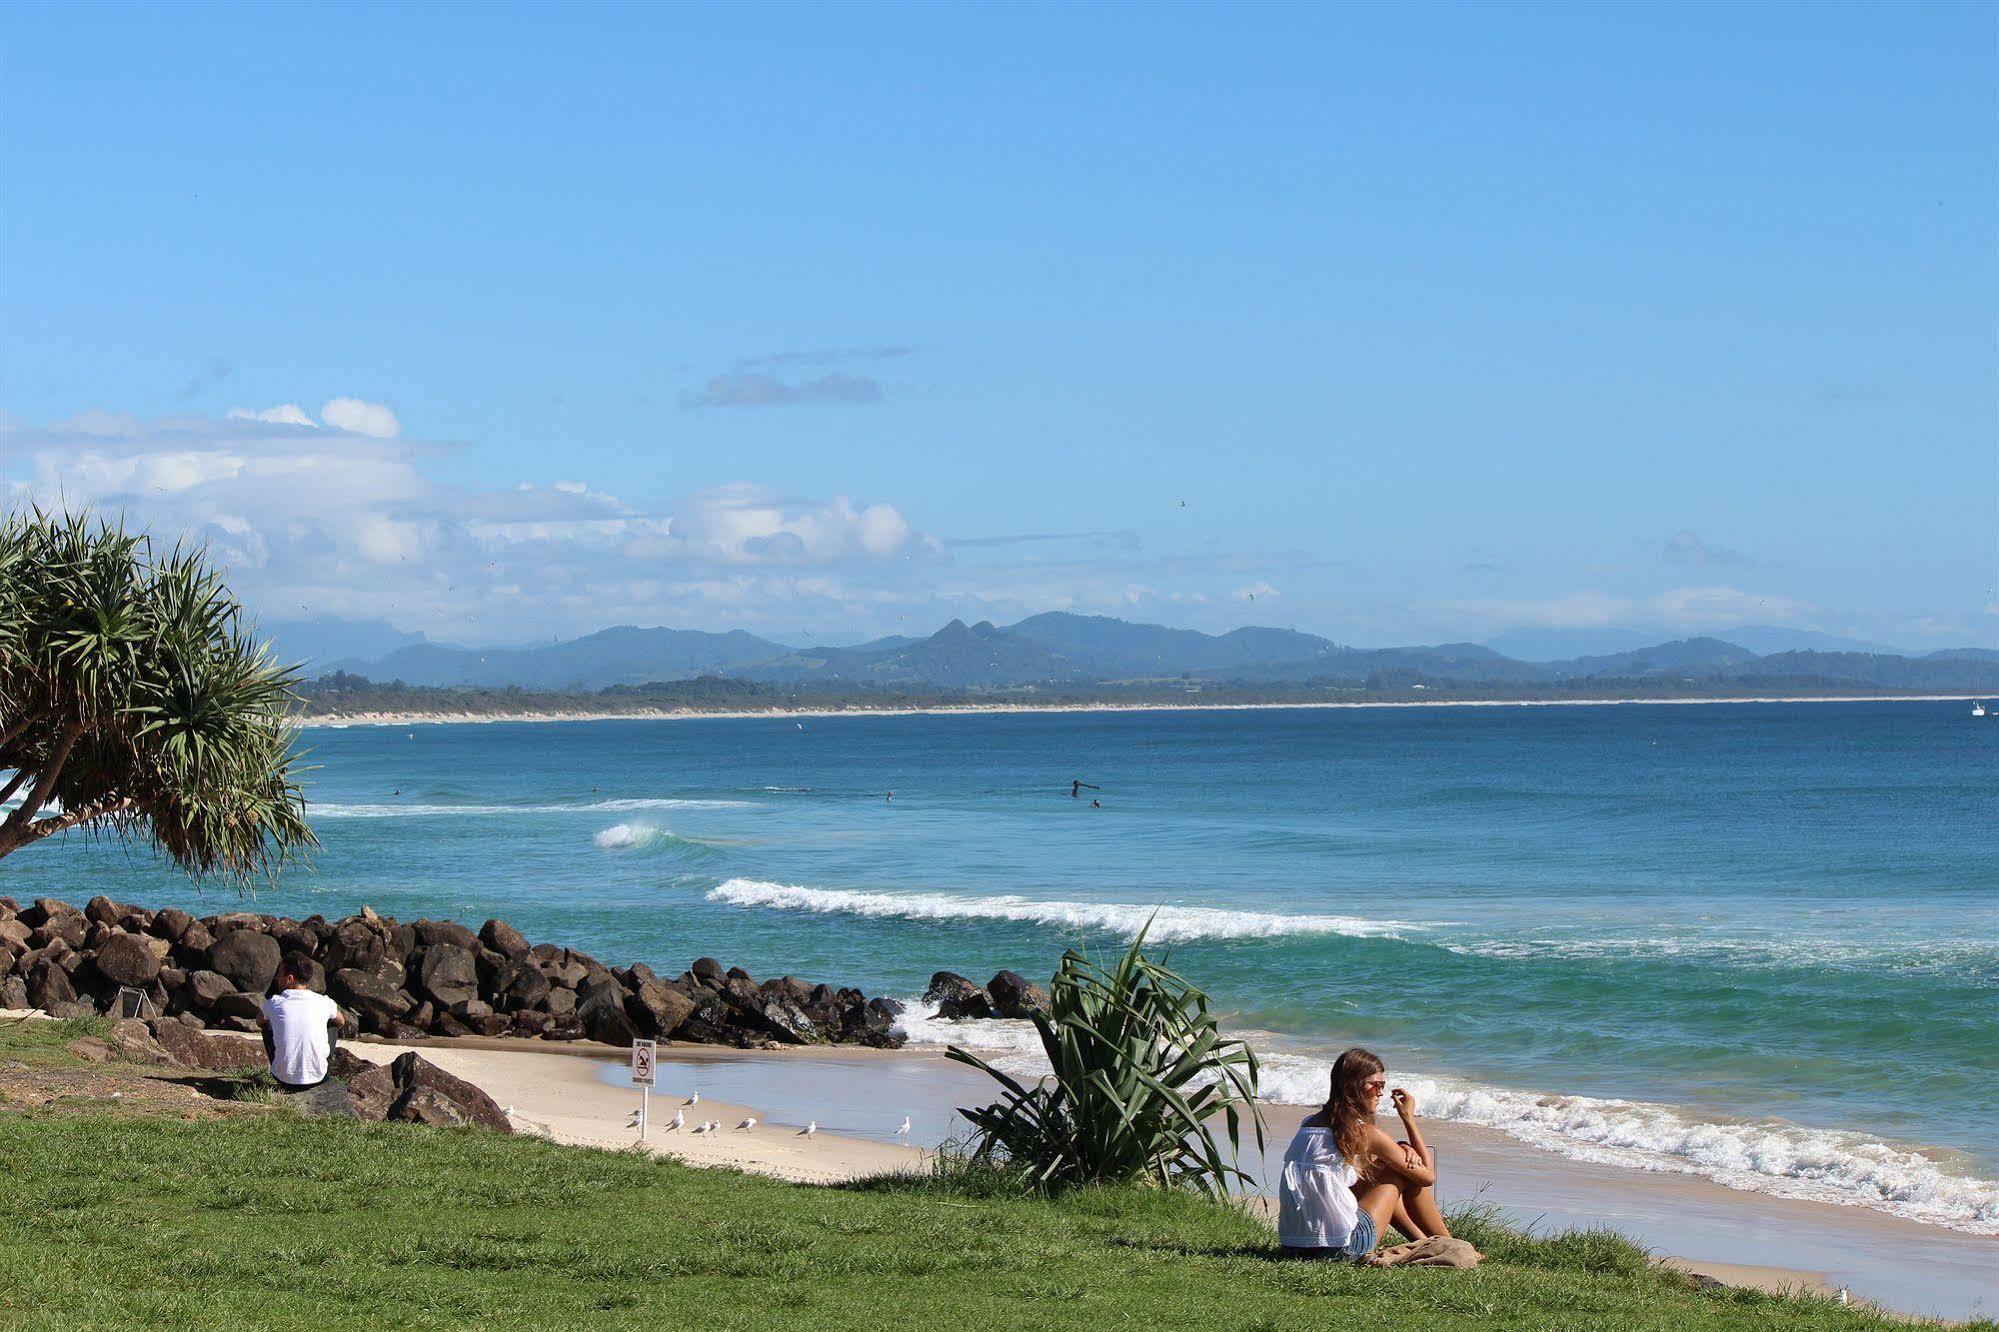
{"points": [[1346, 1180]]}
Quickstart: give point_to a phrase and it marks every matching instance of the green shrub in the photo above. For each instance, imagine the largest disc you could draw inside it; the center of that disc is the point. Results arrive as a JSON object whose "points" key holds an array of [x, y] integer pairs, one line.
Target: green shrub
{"points": [[1141, 1072]]}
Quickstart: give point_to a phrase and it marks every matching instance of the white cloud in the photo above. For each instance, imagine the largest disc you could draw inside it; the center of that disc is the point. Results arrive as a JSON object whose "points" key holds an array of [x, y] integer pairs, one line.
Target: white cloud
{"points": [[313, 523], [1251, 591], [289, 413], [361, 418]]}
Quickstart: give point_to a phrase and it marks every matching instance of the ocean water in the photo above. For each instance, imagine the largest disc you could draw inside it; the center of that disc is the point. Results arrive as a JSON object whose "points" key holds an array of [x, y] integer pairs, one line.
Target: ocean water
{"points": [[1758, 943]]}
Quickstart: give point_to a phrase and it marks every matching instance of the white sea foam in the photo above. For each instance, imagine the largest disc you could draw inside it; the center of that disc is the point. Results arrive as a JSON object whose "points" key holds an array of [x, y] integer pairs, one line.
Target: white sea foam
{"points": [[1169, 923], [415, 809], [1763, 1156]]}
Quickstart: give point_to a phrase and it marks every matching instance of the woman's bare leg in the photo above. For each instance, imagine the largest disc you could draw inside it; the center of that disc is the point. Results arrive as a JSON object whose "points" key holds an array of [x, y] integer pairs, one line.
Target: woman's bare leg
{"points": [[1381, 1199], [1419, 1205], [1405, 1223]]}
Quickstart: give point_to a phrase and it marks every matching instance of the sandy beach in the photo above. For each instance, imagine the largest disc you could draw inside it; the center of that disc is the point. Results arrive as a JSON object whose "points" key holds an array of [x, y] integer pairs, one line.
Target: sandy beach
{"points": [[336, 720], [581, 1094]]}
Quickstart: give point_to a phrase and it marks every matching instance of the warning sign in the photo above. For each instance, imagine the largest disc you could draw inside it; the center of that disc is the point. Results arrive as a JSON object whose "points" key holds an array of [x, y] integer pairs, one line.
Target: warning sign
{"points": [[643, 1053]]}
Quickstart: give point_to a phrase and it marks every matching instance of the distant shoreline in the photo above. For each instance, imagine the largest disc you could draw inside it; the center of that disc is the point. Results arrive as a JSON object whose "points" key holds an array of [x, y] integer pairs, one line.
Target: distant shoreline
{"points": [[334, 721]]}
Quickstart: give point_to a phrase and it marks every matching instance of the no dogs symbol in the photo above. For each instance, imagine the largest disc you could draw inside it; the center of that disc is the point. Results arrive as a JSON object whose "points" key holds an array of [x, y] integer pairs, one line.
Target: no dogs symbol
{"points": [[642, 1062]]}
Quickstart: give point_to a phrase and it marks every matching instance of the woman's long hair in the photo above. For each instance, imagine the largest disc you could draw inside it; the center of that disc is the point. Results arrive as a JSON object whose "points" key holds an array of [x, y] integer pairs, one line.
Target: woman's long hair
{"points": [[1346, 1110]]}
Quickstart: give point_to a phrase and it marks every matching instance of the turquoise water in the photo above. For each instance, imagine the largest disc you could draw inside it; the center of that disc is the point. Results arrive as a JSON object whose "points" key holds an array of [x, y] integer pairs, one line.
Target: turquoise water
{"points": [[1754, 942]]}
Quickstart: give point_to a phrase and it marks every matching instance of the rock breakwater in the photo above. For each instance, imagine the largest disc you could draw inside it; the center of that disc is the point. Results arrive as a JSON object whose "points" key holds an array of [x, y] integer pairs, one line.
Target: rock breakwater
{"points": [[406, 980]]}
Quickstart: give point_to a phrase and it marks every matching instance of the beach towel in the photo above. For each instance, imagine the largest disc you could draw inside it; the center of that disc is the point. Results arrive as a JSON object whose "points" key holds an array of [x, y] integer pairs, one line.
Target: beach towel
{"points": [[1436, 1251]]}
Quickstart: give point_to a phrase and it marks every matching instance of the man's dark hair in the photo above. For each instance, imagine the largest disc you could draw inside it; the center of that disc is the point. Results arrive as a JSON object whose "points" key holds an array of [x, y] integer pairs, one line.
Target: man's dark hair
{"points": [[296, 966]]}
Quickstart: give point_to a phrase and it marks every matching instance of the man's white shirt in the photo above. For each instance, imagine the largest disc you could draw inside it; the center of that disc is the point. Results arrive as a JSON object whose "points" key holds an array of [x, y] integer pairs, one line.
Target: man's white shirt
{"points": [[298, 1021]]}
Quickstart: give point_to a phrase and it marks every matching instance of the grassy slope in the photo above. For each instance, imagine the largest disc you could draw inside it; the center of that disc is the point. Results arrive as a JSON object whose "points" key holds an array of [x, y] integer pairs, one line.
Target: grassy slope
{"points": [[121, 1221]]}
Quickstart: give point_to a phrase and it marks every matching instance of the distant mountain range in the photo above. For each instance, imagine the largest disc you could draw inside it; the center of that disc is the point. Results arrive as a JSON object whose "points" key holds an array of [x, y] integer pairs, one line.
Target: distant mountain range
{"points": [[1063, 650]]}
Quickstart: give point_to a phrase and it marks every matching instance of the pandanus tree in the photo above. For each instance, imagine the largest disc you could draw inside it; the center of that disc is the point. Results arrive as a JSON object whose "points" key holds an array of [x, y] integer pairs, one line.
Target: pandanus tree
{"points": [[1140, 1074], [134, 701]]}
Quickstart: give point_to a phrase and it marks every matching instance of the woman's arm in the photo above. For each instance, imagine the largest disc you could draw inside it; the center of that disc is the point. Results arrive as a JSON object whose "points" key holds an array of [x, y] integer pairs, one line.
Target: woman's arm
{"points": [[1405, 1106], [1395, 1162]]}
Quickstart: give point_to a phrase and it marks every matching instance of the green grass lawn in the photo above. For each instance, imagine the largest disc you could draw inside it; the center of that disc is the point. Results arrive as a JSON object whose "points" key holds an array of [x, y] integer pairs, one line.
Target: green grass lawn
{"points": [[119, 1219]]}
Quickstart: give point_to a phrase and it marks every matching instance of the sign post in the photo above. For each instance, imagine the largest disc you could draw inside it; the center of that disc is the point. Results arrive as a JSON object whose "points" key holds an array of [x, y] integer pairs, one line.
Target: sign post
{"points": [[643, 1056]]}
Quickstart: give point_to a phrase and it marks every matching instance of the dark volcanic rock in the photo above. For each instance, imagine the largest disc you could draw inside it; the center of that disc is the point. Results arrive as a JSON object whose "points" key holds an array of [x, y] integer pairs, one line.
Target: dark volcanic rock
{"points": [[124, 959], [242, 1004], [658, 1008], [602, 1015], [426, 1094], [246, 957], [504, 939], [49, 985], [170, 923], [193, 1049], [449, 974], [521, 985], [429, 933], [957, 997], [373, 996], [372, 1091], [707, 969], [204, 987], [1014, 996]]}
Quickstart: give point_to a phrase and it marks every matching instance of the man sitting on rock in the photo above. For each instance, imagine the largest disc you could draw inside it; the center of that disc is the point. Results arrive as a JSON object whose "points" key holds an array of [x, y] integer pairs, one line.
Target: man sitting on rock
{"points": [[300, 1027]]}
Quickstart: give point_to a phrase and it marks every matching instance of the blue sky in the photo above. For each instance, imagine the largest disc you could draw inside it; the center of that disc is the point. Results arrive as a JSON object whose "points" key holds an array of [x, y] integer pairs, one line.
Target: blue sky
{"points": [[1414, 323]]}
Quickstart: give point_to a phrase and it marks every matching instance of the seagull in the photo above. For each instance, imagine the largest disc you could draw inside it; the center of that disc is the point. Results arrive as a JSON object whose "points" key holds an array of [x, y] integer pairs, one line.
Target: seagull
{"points": [[811, 1127], [508, 1112], [679, 1118], [703, 1127], [903, 1132], [695, 1099], [747, 1124]]}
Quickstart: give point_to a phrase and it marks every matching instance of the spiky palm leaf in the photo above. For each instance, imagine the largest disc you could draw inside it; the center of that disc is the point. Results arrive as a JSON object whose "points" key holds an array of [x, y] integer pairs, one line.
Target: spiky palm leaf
{"points": [[133, 698], [1139, 1073]]}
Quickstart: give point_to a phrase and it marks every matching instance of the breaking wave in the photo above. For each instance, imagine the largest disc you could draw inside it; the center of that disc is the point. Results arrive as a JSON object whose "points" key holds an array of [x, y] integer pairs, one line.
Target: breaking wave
{"points": [[1169, 923]]}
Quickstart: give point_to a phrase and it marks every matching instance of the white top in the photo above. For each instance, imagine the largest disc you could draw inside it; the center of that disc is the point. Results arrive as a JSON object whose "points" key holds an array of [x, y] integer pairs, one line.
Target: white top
{"points": [[1316, 1207], [298, 1021]]}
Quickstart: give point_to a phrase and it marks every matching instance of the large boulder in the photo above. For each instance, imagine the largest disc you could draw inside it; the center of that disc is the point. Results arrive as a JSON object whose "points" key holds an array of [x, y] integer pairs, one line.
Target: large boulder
{"points": [[785, 1019], [504, 939], [603, 1017], [246, 957], [374, 996], [204, 987], [520, 986], [244, 1004], [1014, 996], [191, 1048], [170, 923], [957, 997], [430, 933], [372, 1091], [658, 1008], [49, 985], [449, 973], [124, 959], [426, 1094], [360, 944], [104, 911]]}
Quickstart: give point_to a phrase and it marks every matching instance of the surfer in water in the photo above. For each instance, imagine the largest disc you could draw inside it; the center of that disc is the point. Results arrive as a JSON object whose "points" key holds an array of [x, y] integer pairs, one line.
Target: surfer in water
{"points": [[1076, 787]]}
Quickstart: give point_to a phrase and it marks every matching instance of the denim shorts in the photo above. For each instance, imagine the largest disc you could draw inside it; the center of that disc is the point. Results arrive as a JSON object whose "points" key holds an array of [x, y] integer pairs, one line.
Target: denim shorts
{"points": [[1358, 1246]]}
